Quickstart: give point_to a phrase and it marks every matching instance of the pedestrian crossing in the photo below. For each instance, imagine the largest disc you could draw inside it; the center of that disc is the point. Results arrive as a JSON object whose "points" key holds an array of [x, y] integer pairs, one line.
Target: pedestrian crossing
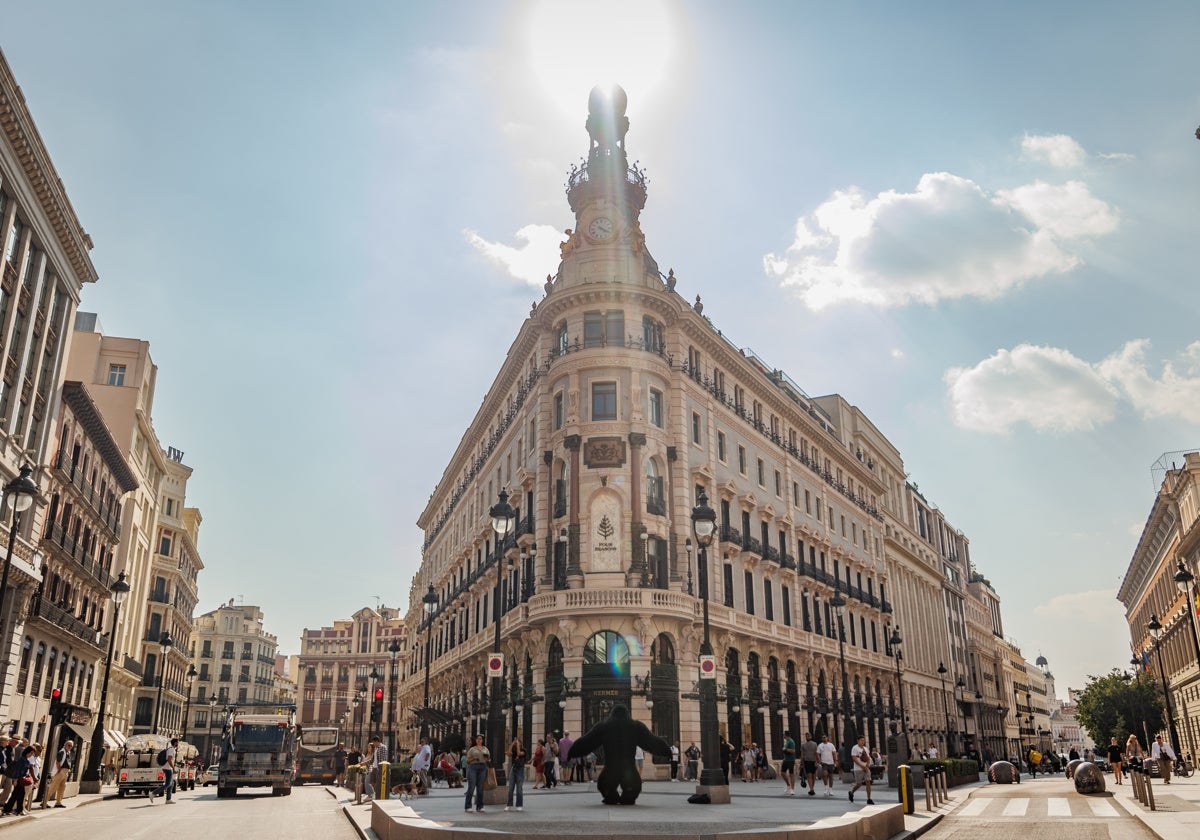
{"points": [[1050, 806]]}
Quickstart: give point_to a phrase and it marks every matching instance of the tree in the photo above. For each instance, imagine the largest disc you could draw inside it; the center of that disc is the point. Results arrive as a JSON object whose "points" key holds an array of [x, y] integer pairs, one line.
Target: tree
{"points": [[1118, 704]]}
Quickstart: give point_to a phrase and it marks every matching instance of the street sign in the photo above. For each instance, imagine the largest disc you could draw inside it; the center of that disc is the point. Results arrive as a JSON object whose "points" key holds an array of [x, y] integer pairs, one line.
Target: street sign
{"points": [[495, 664], [708, 667]]}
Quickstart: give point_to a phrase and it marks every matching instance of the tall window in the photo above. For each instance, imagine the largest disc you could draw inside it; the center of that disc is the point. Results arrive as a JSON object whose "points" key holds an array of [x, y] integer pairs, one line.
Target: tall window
{"points": [[559, 417], [654, 490], [695, 428], [116, 374], [656, 408], [721, 453], [604, 401], [652, 335], [560, 341], [603, 328]]}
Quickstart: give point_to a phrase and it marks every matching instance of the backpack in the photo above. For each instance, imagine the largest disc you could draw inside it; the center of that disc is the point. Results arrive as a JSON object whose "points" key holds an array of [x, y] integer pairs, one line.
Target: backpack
{"points": [[162, 758]]}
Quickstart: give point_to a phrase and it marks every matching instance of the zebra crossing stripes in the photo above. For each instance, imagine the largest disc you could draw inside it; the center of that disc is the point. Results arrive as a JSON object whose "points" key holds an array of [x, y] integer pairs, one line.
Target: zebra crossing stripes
{"points": [[1102, 808], [1058, 806], [975, 807], [1016, 807]]}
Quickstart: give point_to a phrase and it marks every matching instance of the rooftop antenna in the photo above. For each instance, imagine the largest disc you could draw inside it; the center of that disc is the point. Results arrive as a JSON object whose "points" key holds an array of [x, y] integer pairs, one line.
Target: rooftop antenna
{"points": [[378, 601]]}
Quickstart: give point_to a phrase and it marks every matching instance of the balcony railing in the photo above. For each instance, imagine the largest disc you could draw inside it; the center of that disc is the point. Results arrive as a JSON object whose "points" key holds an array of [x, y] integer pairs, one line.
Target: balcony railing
{"points": [[69, 622], [656, 506], [730, 534], [109, 514]]}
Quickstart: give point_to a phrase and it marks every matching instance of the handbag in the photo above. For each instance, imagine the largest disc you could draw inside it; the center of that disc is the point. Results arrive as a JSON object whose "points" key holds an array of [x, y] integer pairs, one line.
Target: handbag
{"points": [[489, 781], [27, 779]]}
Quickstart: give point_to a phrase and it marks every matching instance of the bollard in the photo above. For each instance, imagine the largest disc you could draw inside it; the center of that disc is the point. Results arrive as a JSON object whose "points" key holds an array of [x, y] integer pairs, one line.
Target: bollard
{"points": [[383, 791], [944, 781], [928, 784], [904, 782], [1135, 783], [1149, 791], [358, 785]]}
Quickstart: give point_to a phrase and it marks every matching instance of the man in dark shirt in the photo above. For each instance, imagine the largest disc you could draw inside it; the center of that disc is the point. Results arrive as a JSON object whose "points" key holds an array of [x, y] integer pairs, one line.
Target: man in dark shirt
{"points": [[339, 764]]}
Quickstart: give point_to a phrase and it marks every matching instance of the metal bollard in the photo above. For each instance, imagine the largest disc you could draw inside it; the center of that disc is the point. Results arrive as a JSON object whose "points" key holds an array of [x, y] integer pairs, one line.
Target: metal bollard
{"points": [[383, 791], [1149, 791], [927, 779], [904, 782]]}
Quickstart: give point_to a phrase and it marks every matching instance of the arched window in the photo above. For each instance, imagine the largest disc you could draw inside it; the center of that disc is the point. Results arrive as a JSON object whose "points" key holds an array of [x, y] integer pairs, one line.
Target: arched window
{"points": [[655, 502], [608, 648], [23, 674], [662, 650], [50, 671]]}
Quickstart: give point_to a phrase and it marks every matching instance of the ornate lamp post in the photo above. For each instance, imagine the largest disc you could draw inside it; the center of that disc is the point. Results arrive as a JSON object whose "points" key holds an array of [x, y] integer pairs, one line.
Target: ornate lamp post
{"points": [[941, 669], [504, 519], [895, 641], [1002, 743], [960, 716], [212, 716], [394, 651], [190, 677], [849, 731], [704, 526], [1186, 583], [165, 642], [687, 545], [429, 599], [1156, 631], [19, 495], [358, 698], [90, 783]]}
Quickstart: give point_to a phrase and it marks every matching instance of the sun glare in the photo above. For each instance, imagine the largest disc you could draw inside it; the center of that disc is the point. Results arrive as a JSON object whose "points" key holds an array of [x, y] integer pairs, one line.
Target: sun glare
{"points": [[575, 46]]}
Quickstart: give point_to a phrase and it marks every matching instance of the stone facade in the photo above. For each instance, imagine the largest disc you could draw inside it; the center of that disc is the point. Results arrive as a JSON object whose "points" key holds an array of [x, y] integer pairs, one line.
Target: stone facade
{"points": [[619, 401]]}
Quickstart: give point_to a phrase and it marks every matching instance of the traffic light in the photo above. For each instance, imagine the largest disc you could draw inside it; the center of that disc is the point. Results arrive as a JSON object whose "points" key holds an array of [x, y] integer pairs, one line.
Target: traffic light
{"points": [[55, 702], [377, 706]]}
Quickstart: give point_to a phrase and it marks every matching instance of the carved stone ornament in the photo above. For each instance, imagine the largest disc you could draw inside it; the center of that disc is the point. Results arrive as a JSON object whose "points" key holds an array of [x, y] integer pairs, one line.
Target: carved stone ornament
{"points": [[605, 537], [604, 452]]}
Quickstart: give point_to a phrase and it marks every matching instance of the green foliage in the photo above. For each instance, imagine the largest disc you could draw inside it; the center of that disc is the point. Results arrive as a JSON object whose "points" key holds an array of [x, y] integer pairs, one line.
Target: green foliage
{"points": [[956, 768], [1116, 705]]}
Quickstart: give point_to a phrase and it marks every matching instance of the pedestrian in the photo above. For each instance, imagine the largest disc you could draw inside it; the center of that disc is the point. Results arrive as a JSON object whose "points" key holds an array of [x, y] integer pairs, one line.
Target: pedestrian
{"points": [[566, 765], [639, 758], [339, 765], [379, 755], [35, 761], [551, 760], [21, 772], [675, 762], [166, 760], [589, 763], [932, 752], [63, 763], [808, 763], [827, 757], [422, 762], [7, 757], [1161, 752], [539, 765], [787, 768], [478, 758], [692, 772], [1073, 755], [516, 775], [747, 764], [1133, 752], [727, 753], [860, 758]]}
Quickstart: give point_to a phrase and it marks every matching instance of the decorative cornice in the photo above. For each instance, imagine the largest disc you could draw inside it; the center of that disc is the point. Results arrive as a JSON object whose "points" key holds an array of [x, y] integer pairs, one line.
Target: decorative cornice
{"points": [[17, 124]]}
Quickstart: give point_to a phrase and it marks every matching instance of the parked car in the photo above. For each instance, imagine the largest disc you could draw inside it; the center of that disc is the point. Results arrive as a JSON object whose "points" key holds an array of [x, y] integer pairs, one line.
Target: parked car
{"points": [[209, 776]]}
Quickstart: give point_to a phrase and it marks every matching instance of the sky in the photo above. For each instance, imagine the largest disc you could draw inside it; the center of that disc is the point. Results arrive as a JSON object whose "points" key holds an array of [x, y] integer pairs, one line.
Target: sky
{"points": [[974, 221]]}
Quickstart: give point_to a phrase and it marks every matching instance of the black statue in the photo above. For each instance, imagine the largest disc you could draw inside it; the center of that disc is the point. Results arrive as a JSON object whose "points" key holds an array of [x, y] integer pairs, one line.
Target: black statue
{"points": [[620, 781]]}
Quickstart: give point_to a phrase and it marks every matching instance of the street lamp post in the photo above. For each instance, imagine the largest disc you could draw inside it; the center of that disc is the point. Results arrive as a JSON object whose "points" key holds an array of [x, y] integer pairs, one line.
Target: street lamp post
{"points": [[430, 600], [90, 783], [19, 495], [712, 779], [212, 715], [960, 733], [1186, 583], [1156, 630], [1001, 740], [504, 519], [849, 731], [164, 645], [979, 724], [941, 669], [687, 545], [358, 698], [895, 641], [190, 677], [394, 651]]}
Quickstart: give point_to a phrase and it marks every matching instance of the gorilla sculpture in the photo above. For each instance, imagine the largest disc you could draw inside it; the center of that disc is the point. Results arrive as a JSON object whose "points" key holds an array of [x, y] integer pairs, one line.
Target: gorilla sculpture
{"points": [[620, 781]]}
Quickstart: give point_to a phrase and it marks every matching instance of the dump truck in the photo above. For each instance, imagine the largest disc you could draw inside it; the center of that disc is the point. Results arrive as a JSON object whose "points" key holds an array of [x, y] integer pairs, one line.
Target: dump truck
{"points": [[258, 748]]}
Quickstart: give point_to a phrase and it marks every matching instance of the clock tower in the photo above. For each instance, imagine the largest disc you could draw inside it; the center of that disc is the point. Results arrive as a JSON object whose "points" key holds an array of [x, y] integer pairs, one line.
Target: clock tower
{"points": [[606, 195]]}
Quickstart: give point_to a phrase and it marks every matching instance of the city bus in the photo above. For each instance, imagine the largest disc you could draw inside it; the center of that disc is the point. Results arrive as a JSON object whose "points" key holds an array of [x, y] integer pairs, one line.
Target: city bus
{"points": [[315, 755]]}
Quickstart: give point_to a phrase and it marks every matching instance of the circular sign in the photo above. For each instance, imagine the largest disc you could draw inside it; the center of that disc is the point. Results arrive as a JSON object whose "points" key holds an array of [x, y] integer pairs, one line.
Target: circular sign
{"points": [[708, 666], [495, 663]]}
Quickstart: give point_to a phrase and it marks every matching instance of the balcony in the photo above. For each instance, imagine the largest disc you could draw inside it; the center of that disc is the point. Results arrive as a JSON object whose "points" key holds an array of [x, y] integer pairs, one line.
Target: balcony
{"points": [[66, 621], [729, 534], [771, 553], [752, 545], [58, 537], [108, 515], [656, 506], [247, 655]]}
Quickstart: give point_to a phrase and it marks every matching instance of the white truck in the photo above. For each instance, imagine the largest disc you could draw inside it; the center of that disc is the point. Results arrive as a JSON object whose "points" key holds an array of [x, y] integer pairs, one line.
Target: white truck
{"points": [[258, 748], [139, 772]]}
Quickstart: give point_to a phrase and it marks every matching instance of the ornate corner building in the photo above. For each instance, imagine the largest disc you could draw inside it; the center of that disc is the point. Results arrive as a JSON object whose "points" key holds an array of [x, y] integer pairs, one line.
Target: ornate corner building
{"points": [[618, 403]]}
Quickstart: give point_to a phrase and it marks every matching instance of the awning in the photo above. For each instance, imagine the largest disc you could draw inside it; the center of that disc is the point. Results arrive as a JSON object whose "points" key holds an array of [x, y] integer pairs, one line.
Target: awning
{"points": [[113, 740], [433, 716], [83, 730]]}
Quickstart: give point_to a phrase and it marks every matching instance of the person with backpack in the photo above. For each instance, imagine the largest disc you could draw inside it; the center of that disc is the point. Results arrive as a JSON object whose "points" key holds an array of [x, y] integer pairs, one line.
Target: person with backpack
{"points": [[64, 761], [166, 760]]}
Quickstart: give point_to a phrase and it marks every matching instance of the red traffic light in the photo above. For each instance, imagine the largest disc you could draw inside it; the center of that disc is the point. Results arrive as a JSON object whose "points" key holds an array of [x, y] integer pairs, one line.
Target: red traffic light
{"points": [[379, 694], [56, 694]]}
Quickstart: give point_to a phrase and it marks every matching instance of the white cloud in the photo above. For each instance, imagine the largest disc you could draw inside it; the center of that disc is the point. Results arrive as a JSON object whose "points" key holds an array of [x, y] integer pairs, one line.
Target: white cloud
{"points": [[531, 262], [1052, 390], [1046, 387], [1059, 150], [947, 239]]}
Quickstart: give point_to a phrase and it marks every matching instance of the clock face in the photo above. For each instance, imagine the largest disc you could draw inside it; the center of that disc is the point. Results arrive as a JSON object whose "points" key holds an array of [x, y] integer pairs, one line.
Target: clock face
{"points": [[601, 228]]}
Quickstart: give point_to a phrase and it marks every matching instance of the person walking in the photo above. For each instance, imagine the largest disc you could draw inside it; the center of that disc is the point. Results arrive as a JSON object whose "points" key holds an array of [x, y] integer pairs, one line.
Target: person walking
{"points": [[728, 751], [539, 765], [787, 767], [422, 763], [860, 757], [675, 762], [21, 772], [1116, 759], [516, 776], [64, 761], [551, 760], [1161, 752], [379, 754], [827, 757], [339, 765], [1133, 752], [478, 759], [168, 768], [566, 765], [808, 765], [748, 764]]}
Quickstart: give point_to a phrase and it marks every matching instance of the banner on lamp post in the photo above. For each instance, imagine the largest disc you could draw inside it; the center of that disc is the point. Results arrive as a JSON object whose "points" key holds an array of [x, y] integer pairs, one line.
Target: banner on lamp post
{"points": [[708, 667]]}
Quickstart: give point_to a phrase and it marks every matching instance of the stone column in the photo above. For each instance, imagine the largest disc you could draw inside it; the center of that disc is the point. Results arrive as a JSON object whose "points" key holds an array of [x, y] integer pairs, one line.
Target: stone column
{"points": [[637, 563], [574, 570]]}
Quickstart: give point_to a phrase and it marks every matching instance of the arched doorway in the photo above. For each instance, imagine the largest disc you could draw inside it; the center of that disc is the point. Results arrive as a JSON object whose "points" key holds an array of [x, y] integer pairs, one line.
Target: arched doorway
{"points": [[664, 690], [555, 688], [605, 676]]}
